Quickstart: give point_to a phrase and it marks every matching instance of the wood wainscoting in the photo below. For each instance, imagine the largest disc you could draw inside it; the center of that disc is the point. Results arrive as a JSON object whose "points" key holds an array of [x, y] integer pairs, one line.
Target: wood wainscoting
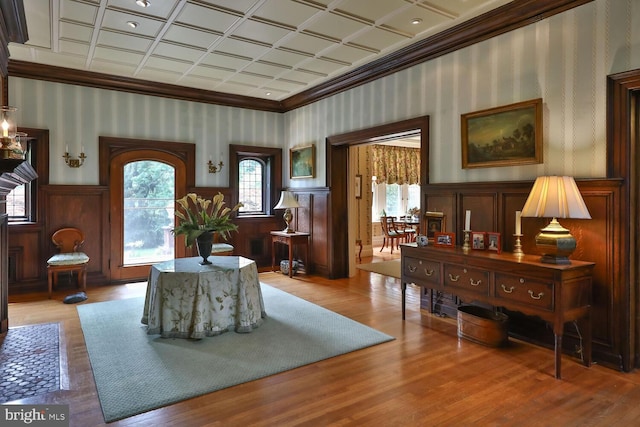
{"points": [[493, 206]]}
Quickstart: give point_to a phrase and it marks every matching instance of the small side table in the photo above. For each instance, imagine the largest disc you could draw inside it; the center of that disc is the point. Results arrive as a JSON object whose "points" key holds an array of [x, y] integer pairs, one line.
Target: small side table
{"points": [[289, 239]]}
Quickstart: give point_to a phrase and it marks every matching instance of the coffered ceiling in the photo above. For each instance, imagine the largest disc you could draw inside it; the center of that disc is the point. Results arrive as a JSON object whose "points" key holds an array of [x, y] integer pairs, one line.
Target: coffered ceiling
{"points": [[270, 49]]}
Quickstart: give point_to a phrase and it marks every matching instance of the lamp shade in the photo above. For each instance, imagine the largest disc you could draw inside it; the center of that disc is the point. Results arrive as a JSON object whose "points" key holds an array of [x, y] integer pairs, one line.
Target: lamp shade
{"points": [[286, 201], [555, 197]]}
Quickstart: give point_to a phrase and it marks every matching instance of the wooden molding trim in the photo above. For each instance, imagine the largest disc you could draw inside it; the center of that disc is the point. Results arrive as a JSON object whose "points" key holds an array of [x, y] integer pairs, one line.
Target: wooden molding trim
{"points": [[516, 14]]}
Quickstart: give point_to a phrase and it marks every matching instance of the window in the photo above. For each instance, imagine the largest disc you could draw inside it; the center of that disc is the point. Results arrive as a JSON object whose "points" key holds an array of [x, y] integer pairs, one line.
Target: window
{"points": [[20, 206], [256, 178], [251, 188], [394, 199]]}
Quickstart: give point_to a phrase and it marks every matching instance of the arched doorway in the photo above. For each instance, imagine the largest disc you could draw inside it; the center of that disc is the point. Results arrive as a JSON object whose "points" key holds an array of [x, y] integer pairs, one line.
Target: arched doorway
{"points": [[116, 156], [341, 245]]}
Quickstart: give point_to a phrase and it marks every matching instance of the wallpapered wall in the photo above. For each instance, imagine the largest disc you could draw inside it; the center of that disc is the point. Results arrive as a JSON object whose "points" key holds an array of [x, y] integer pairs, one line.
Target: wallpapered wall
{"points": [[564, 60], [76, 116]]}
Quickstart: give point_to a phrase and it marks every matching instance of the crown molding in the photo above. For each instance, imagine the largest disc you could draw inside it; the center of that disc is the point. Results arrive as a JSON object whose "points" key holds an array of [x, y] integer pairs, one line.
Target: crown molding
{"points": [[513, 15]]}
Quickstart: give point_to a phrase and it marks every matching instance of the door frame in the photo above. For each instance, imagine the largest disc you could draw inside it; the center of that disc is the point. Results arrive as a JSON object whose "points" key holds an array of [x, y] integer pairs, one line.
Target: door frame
{"points": [[179, 155], [337, 148]]}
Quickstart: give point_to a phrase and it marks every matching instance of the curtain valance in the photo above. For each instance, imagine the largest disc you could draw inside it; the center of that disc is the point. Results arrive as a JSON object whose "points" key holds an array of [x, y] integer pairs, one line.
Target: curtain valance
{"points": [[395, 165]]}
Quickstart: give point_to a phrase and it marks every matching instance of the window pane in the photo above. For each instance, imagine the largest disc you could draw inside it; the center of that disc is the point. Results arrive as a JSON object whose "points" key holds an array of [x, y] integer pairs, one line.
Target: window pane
{"points": [[149, 202], [394, 200], [250, 185], [414, 196], [16, 202]]}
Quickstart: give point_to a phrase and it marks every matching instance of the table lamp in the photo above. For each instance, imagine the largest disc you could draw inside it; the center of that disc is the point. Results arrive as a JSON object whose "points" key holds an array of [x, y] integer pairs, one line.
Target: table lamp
{"points": [[287, 201], [555, 197]]}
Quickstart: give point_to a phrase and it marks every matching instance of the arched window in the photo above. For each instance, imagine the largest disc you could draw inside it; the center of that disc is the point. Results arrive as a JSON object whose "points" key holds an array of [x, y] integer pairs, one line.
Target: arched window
{"points": [[251, 188]]}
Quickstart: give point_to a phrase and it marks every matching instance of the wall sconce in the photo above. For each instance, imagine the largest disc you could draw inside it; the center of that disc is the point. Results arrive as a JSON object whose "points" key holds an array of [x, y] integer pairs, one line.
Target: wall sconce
{"points": [[74, 162], [8, 132], [213, 168]]}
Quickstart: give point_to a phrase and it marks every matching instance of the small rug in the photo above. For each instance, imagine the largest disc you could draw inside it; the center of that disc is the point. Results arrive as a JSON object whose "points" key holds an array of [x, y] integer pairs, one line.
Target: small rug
{"points": [[386, 268], [135, 372], [29, 361]]}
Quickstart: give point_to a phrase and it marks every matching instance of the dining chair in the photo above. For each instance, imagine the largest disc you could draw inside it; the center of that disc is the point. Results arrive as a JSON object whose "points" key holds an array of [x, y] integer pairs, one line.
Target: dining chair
{"points": [[69, 257], [391, 236]]}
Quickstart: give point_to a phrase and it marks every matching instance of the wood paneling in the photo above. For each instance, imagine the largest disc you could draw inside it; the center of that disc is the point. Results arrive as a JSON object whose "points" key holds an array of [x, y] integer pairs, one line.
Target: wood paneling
{"points": [[493, 206]]}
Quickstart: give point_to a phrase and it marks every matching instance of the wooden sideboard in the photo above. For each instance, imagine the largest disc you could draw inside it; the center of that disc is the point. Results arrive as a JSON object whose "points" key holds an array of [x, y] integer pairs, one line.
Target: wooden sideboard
{"points": [[555, 293]]}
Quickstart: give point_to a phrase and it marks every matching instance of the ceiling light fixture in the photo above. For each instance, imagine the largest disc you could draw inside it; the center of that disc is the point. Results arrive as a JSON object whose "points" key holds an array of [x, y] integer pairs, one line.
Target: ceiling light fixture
{"points": [[143, 3], [416, 21], [132, 24], [268, 93]]}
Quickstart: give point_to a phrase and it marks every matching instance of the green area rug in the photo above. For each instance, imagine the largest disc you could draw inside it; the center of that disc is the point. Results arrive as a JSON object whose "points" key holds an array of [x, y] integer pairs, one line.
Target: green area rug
{"points": [[135, 372], [386, 268]]}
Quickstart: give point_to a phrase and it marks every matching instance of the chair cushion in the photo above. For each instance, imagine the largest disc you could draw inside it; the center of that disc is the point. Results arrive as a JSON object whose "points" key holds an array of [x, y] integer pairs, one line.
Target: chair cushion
{"points": [[70, 258], [221, 247]]}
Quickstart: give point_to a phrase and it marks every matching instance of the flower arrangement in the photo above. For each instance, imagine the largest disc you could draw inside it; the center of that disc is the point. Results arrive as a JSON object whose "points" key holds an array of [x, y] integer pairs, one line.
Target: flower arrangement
{"points": [[414, 211], [198, 215]]}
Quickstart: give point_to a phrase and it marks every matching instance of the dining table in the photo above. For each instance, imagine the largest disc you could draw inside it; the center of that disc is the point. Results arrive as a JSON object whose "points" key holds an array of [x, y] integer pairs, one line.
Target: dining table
{"points": [[185, 299]]}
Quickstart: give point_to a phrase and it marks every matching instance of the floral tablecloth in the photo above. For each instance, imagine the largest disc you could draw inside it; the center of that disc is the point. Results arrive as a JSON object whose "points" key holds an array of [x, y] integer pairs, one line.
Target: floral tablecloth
{"points": [[188, 300]]}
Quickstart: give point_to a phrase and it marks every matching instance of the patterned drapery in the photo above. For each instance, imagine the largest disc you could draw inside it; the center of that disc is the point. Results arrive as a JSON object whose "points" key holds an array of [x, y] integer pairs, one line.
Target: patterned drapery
{"points": [[395, 165]]}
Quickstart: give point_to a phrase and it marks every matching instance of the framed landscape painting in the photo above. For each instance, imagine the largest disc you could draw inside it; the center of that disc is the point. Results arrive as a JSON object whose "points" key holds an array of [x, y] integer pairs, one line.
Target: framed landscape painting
{"points": [[503, 136], [303, 161]]}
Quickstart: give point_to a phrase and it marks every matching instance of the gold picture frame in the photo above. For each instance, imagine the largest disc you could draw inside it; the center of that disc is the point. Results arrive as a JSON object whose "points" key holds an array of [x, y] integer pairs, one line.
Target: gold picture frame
{"points": [[302, 162], [434, 223], [503, 136]]}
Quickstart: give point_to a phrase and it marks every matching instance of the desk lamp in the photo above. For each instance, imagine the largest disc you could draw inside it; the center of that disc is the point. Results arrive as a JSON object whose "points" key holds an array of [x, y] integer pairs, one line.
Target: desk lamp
{"points": [[555, 197], [287, 201]]}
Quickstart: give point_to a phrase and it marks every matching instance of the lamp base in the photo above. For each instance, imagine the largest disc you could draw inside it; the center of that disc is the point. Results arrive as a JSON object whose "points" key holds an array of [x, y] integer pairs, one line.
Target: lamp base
{"points": [[288, 230], [555, 243]]}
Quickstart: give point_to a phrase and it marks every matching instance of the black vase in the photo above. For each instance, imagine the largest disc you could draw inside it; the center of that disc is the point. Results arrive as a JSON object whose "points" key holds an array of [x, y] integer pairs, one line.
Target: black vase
{"points": [[204, 243]]}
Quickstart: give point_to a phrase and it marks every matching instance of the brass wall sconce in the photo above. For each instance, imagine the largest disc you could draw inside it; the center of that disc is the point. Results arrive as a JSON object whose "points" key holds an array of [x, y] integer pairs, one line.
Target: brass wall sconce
{"points": [[213, 168], [74, 162]]}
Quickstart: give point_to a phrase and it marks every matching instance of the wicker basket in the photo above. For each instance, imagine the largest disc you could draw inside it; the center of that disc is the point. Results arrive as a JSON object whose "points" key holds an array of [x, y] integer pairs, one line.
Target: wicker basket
{"points": [[483, 326]]}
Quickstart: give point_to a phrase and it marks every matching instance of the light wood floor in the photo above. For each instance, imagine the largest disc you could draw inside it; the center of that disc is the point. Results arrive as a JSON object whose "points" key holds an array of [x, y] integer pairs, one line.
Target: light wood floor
{"points": [[425, 377]]}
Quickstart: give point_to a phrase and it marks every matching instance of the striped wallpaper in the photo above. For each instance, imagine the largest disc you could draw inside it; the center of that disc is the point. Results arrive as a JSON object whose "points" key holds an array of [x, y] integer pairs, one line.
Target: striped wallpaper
{"points": [[564, 60]]}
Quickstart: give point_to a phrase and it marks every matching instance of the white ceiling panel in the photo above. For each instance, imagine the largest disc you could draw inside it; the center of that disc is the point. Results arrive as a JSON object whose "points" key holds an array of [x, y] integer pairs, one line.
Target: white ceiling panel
{"points": [[307, 44], [105, 54], [71, 10], [79, 33], [336, 26], [169, 50], [117, 20], [372, 10], [296, 13], [239, 6], [347, 54], [258, 31], [205, 17], [245, 47], [379, 39], [185, 35], [159, 8], [226, 61], [123, 41]]}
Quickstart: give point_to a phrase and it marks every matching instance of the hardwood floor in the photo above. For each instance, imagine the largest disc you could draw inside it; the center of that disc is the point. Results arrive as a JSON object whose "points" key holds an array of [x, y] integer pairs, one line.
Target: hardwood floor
{"points": [[426, 376]]}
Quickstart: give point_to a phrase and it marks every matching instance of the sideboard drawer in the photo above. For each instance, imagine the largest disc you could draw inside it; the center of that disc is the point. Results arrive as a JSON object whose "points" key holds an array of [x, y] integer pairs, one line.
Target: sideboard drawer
{"points": [[469, 279], [524, 290], [422, 270]]}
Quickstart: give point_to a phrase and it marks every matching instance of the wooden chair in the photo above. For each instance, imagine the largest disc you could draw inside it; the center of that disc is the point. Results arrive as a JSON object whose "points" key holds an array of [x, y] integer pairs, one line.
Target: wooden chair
{"points": [[409, 226], [69, 259], [219, 248], [390, 233]]}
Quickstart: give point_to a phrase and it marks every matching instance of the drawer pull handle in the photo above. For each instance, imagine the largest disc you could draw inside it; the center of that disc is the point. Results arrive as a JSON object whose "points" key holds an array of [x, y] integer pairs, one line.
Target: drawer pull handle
{"points": [[412, 269], [428, 272], [507, 291], [454, 278], [475, 283], [540, 295]]}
